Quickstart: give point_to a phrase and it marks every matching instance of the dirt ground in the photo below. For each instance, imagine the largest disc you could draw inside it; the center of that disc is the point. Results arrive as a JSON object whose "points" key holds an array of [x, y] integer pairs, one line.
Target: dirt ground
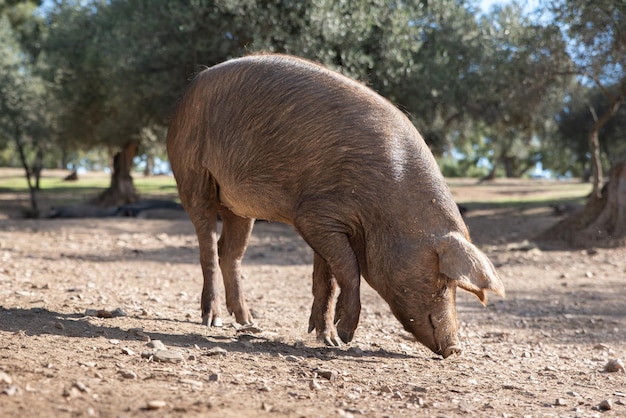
{"points": [[540, 352]]}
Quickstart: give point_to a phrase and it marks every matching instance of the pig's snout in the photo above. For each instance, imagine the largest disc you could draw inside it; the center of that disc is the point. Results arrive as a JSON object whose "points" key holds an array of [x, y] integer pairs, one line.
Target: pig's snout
{"points": [[453, 349], [445, 336]]}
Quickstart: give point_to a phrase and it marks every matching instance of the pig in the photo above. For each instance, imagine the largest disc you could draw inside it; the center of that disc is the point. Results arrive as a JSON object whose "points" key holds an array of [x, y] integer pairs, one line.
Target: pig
{"points": [[280, 138]]}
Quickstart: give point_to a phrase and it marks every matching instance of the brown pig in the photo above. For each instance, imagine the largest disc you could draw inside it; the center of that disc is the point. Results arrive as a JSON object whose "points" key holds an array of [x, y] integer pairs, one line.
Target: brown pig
{"points": [[283, 139]]}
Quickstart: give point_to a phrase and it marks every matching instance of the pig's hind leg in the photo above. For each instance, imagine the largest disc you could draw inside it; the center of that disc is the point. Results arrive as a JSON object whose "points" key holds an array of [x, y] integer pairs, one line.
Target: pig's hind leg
{"points": [[329, 239], [200, 202], [231, 248], [322, 311]]}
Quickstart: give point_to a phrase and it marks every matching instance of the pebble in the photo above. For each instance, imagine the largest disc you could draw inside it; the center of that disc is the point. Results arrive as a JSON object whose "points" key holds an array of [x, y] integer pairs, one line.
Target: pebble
{"points": [[605, 405], [12, 390], [615, 365], [157, 345], [59, 325], [81, 386], [560, 402], [193, 383], [5, 378], [292, 358], [313, 385], [214, 377], [326, 374], [167, 356], [138, 332], [358, 352], [154, 405], [103, 313], [127, 351], [216, 351], [128, 374]]}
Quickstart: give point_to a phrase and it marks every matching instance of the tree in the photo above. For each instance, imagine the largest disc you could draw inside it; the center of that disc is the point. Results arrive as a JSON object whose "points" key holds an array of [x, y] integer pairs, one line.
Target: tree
{"points": [[22, 93], [119, 67], [521, 86], [596, 30]]}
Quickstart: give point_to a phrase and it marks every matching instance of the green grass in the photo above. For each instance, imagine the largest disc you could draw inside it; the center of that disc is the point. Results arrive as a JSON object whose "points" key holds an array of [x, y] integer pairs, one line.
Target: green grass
{"points": [[54, 191], [503, 193], [86, 184]]}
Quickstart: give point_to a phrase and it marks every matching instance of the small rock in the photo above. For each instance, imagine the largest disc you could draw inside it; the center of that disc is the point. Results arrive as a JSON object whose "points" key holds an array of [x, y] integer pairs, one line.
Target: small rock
{"points": [[157, 345], [114, 341], [12, 390], [193, 383], [266, 407], [602, 347], [292, 358], [299, 345], [118, 312], [214, 377], [147, 354], [560, 402], [81, 386], [59, 325], [137, 332], [154, 405], [397, 395], [128, 374], [252, 329], [167, 356], [5, 378], [326, 374], [615, 365], [192, 357], [216, 351], [605, 405], [313, 385], [127, 351], [88, 364], [356, 351], [91, 312]]}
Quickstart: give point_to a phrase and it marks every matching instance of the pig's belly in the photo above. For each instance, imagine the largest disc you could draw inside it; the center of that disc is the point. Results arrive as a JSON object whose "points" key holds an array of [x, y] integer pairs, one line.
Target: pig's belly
{"points": [[258, 203]]}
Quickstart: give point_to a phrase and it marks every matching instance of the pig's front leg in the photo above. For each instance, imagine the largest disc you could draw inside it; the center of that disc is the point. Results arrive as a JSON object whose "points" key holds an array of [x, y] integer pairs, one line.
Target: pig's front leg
{"points": [[329, 238], [322, 311], [231, 248]]}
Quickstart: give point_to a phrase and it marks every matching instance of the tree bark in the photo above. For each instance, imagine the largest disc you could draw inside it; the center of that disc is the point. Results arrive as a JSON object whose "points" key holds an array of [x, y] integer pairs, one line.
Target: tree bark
{"points": [[602, 221], [121, 190]]}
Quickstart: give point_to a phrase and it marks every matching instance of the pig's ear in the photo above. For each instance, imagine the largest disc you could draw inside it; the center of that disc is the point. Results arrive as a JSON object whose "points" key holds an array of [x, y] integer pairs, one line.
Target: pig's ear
{"points": [[460, 260]]}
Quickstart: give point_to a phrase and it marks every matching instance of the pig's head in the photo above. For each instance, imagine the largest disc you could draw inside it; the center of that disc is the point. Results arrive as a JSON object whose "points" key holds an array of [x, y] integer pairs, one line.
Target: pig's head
{"points": [[422, 295]]}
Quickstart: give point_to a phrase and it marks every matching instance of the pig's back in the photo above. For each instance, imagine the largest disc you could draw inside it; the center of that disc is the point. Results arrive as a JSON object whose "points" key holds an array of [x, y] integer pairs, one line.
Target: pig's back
{"points": [[276, 130]]}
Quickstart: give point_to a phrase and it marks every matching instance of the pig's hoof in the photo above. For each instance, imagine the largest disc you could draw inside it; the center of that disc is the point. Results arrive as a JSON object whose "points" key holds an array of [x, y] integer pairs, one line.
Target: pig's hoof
{"points": [[332, 341], [453, 349], [215, 322], [345, 336]]}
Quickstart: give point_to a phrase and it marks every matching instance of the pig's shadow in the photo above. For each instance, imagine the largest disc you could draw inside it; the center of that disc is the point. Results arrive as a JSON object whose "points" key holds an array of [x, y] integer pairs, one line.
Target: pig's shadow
{"points": [[40, 321]]}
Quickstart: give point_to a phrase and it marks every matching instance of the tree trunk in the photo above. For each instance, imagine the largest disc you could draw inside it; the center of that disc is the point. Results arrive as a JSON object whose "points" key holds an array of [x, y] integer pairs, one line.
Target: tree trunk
{"points": [[121, 190], [596, 163], [38, 168], [603, 220], [34, 209]]}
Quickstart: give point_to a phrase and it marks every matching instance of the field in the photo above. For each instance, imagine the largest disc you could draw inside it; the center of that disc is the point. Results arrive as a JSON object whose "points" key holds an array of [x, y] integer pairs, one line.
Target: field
{"points": [[541, 351]]}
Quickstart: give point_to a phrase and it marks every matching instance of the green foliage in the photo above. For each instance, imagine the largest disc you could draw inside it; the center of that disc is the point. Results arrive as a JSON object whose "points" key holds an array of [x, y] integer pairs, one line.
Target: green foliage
{"points": [[480, 86]]}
